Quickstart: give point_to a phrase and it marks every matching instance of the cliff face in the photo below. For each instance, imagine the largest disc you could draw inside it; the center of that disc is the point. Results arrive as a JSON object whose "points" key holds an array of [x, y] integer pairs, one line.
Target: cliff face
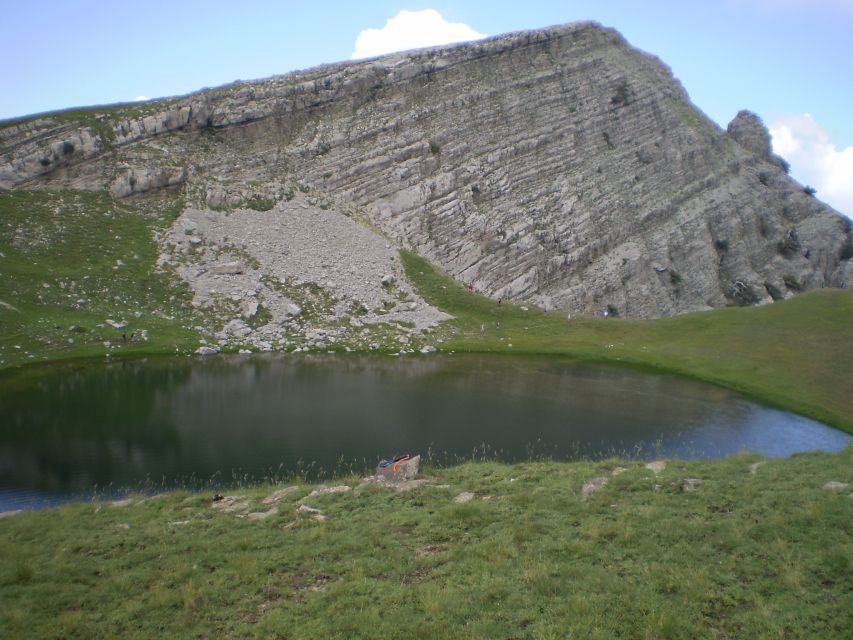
{"points": [[559, 167]]}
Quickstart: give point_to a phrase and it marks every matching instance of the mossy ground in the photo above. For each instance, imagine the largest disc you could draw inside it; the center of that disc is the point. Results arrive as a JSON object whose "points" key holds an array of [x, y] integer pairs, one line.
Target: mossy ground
{"points": [[761, 554]]}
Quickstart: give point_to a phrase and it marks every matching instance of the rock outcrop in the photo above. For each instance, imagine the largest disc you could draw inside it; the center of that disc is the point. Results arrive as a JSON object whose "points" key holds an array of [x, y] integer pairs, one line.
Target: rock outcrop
{"points": [[558, 166]]}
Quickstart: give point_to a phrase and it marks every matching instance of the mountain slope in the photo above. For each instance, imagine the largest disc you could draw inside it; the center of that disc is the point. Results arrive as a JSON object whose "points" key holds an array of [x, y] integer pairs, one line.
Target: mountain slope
{"points": [[559, 166]]}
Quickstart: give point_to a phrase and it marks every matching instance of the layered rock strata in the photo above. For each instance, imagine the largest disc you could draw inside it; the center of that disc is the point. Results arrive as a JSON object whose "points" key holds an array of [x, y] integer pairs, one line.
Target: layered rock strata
{"points": [[559, 166]]}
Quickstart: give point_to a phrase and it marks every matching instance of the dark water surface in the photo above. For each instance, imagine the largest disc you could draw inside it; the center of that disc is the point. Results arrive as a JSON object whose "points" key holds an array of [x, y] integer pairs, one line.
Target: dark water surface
{"points": [[217, 421]]}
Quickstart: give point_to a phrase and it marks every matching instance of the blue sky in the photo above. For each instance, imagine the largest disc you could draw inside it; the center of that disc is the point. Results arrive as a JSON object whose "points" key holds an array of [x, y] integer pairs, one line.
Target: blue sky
{"points": [[780, 58]]}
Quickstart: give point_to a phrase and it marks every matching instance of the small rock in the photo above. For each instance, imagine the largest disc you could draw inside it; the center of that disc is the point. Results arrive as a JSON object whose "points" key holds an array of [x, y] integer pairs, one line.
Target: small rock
{"points": [[753, 468], [836, 486], [227, 268], [206, 351], [462, 498], [618, 471], [237, 328], [262, 515], [314, 513], [116, 325], [122, 503], [690, 484], [9, 514], [231, 504], [388, 280], [428, 349], [656, 467], [123, 525], [591, 486], [278, 495], [321, 491]]}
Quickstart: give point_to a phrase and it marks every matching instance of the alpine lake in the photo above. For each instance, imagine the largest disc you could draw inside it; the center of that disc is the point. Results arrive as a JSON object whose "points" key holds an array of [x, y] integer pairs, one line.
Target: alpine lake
{"points": [[78, 431]]}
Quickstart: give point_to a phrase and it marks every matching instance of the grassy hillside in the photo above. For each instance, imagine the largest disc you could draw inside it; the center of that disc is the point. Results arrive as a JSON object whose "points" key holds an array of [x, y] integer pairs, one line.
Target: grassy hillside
{"points": [[70, 261], [796, 354], [753, 551]]}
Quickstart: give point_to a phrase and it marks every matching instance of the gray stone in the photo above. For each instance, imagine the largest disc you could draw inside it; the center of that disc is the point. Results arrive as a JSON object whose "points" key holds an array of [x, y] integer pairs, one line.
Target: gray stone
{"points": [[591, 486], [323, 491], [690, 484], [232, 504], [280, 494], [753, 468], [316, 514], [204, 350], [262, 515], [656, 467], [836, 486], [462, 498], [228, 268]]}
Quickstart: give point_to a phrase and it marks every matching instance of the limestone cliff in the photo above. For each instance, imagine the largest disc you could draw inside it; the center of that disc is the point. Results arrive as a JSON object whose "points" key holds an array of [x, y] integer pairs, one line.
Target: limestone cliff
{"points": [[559, 166]]}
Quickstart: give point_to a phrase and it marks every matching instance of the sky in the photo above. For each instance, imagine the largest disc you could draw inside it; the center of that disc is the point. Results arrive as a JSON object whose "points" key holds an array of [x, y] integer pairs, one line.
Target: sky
{"points": [[786, 60]]}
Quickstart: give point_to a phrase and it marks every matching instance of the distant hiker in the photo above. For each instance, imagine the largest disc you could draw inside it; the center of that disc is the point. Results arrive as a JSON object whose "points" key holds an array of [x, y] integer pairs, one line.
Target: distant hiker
{"points": [[482, 328]]}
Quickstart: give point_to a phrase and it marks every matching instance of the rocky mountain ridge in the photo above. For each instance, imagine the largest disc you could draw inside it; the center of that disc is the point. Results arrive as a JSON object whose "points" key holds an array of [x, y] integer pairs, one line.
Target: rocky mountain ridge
{"points": [[558, 167]]}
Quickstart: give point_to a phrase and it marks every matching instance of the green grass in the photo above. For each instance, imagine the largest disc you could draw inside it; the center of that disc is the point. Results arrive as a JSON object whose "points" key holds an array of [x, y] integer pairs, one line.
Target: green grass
{"points": [[796, 354], [746, 555], [71, 261]]}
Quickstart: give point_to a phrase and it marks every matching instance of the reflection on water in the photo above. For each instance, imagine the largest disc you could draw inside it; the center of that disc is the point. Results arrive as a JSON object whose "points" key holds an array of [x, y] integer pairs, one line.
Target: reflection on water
{"points": [[179, 422]]}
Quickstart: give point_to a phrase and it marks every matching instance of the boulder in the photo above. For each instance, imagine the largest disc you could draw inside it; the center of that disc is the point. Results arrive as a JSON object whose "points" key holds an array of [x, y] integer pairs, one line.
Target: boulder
{"points": [[228, 268]]}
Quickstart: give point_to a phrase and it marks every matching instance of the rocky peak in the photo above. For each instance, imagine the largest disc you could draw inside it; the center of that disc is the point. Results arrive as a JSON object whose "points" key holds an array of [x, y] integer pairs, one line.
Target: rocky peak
{"points": [[750, 132]]}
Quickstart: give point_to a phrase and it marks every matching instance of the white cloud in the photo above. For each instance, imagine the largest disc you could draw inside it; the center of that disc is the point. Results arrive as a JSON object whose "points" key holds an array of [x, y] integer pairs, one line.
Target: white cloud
{"points": [[815, 160], [412, 30], [141, 98]]}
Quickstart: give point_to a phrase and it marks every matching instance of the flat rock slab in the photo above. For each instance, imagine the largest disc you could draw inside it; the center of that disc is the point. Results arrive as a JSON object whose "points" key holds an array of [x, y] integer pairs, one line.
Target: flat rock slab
{"points": [[462, 498], [9, 514], [304, 509], [280, 494], [232, 504], [753, 468], [262, 515], [591, 486], [322, 491], [122, 503], [656, 467], [836, 486]]}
